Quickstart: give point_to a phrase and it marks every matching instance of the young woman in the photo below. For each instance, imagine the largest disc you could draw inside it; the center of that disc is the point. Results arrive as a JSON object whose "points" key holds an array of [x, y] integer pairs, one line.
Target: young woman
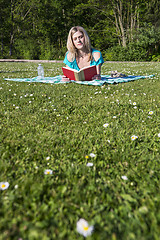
{"points": [[80, 54]]}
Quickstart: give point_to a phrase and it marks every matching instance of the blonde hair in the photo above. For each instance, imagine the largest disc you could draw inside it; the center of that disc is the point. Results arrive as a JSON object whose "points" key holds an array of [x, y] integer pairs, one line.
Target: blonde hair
{"points": [[73, 52]]}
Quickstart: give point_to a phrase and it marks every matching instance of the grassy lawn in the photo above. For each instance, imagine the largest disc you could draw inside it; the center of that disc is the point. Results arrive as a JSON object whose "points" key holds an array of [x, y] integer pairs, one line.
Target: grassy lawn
{"points": [[57, 127]]}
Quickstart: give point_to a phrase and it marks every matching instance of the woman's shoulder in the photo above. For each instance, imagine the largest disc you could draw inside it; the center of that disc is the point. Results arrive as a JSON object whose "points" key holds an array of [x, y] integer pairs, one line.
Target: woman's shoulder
{"points": [[96, 54], [68, 57], [70, 62]]}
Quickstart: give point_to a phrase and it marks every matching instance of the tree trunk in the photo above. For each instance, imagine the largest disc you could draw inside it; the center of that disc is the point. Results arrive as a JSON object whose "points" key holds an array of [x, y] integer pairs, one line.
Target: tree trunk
{"points": [[11, 33], [119, 22]]}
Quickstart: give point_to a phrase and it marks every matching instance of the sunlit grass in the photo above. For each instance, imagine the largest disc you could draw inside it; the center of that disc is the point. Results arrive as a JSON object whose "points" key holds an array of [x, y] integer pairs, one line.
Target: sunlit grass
{"points": [[72, 151]]}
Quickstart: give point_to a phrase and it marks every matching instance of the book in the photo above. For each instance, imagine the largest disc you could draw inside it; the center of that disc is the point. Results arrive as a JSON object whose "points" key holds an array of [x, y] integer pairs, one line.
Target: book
{"points": [[84, 74]]}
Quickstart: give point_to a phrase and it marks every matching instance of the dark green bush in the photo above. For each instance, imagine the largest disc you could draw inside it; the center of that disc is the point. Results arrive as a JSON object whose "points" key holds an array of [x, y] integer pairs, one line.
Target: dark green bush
{"points": [[133, 52]]}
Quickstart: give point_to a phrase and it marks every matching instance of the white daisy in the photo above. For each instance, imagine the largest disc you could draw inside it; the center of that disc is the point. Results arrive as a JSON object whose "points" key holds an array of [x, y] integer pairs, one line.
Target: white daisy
{"points": [[133, 137], [134, 103], [92, 155], [48, 172], [150, 112], [124, 177], [4, 185], [158, 134], [89, 164], [83, 228], [106, 125]]}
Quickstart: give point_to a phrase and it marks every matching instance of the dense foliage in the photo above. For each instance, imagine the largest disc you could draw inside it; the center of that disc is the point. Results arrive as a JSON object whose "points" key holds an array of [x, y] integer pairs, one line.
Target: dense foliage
{"points": [[37, 29], [57, 127]]}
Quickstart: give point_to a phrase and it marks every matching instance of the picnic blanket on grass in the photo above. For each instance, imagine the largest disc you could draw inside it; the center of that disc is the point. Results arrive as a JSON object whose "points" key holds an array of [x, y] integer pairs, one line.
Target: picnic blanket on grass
{"points": [[105, 79]]}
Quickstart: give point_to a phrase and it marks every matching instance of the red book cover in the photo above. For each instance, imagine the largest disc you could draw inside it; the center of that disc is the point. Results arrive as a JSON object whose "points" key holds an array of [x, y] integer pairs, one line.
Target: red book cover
{"points": [[69, 73], [84, 74]]}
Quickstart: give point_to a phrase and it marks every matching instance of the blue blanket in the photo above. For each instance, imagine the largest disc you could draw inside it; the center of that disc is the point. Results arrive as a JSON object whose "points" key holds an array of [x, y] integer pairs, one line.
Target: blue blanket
{"points": [[106, 79]]}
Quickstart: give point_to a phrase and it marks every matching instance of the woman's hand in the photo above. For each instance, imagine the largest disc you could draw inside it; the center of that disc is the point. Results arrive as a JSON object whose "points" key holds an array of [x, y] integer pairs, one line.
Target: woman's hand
{"points": [[65, 79], [96, 77]]}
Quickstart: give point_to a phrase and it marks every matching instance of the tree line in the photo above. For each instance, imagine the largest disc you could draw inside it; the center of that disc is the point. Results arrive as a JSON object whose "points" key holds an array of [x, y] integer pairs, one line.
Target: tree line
{"points": [[121, 29]]}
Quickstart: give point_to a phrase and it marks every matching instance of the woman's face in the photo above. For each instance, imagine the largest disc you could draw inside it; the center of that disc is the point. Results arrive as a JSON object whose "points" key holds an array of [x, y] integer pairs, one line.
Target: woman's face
{"points": [[78, 40]]}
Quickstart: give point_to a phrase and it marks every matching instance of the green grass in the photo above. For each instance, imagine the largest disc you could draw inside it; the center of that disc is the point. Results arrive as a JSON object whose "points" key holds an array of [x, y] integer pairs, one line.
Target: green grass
{"points": [[45, 126]]}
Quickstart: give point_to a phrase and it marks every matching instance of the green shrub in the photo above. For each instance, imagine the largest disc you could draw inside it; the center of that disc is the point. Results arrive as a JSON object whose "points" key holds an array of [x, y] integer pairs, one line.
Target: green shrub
{"points": [[156, 58], [133, 52], [27, 49]]}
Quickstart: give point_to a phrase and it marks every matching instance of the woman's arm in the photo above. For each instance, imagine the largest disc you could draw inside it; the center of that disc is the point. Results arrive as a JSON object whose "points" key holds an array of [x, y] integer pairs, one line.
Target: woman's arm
{"points": [[96, 56], [98, 76]]}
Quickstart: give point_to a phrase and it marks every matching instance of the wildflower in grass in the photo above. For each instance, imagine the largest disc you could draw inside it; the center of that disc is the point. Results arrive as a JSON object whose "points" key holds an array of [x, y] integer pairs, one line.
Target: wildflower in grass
{"points": [[150, 112], [124, 178], [86, 156], [48, 172], [92, 155], [106, 125], [134, 103], [48, 158], [133, 137], [114, 117], [158, 134], [4, 185], [83, 228], [143, 209], [89, 164]]}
